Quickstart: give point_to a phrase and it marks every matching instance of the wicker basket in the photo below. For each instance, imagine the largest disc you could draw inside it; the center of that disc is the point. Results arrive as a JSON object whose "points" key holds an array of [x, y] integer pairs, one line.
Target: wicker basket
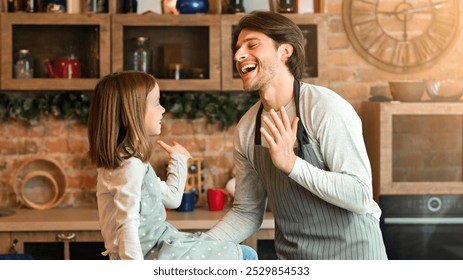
{"points": [[40, 183]]}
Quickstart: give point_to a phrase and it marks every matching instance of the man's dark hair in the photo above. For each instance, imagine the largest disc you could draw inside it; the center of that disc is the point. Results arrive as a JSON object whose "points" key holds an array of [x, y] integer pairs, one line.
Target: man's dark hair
{"points": [[281, 30]]}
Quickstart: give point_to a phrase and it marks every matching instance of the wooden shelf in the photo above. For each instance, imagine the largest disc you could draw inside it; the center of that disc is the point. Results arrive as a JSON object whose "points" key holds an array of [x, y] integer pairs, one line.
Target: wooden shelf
{"points": [[197, 37], [104, 42], [53, 36], [379, 125]]}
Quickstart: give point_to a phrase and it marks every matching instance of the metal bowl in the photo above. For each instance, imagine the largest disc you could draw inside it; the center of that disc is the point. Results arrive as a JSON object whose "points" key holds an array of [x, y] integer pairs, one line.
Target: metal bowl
{"points": [[444, 90]]}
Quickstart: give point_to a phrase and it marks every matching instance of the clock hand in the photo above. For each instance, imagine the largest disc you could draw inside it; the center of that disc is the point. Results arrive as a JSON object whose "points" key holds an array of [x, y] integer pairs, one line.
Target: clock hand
{"points": [[414, 10], [423, 8]]}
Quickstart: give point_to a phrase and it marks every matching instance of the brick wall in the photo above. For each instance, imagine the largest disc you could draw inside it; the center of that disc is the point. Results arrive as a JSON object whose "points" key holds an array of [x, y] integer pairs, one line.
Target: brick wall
{"points": [[66, 142], [342, 69], [346, 72]]}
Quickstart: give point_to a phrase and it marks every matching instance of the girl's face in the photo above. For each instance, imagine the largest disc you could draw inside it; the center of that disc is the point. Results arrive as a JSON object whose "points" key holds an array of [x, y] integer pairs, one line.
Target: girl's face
{"points": [[154, 112]]}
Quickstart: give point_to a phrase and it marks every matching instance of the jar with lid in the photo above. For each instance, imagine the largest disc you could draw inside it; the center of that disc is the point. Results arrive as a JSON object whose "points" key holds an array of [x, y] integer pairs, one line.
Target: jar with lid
{"points": [[235, 7], [96, 6], [24, 65], [286, 6], [130, 6], [32, 6], [142, 55]]}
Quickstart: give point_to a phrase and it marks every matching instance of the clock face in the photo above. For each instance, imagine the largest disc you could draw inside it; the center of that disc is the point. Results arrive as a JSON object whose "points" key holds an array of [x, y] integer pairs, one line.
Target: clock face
{"points": [[401, 36]]}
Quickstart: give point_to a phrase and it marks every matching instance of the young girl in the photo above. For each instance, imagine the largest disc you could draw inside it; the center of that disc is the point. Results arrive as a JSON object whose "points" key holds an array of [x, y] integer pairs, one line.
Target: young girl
{"points": [[124, 113]]}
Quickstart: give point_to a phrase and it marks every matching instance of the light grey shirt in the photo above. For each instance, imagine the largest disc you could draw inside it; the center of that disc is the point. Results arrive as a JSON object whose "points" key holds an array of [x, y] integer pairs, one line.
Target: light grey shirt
{"points": [[335, 131]]}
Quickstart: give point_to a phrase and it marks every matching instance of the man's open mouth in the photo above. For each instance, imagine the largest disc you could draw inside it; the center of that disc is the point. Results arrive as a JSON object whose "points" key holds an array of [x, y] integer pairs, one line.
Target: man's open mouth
{"points": [[247, 68]]}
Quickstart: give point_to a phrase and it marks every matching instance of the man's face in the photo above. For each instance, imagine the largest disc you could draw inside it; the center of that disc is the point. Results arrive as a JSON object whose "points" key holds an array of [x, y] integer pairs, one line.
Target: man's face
{"points": [[257, 60]]}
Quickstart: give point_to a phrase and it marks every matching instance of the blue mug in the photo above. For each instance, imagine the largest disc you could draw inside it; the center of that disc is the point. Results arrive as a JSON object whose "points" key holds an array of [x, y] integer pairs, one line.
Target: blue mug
{"points": [[189, 200]]}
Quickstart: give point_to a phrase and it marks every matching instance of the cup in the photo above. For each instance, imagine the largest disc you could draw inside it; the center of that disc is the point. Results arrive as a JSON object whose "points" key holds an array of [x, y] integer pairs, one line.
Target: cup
{"points": [[189, 200], [217, 199]]}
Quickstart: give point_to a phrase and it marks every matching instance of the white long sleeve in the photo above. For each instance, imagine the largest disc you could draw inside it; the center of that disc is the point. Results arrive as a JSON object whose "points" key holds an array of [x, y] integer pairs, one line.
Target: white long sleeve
{"points": [[172, 189]]}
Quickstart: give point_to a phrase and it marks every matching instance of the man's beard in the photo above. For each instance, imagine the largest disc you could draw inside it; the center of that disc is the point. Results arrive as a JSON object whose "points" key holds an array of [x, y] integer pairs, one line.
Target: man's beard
{"points": [[260, 81]]}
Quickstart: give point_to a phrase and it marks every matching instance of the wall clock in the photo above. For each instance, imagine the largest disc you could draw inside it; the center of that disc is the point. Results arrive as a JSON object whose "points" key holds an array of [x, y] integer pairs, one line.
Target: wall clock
{"points": [[401, 36]]}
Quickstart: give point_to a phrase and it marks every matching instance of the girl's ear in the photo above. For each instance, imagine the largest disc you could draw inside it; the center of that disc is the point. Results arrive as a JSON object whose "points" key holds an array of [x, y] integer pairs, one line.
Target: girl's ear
{"points": [[286, 50]]}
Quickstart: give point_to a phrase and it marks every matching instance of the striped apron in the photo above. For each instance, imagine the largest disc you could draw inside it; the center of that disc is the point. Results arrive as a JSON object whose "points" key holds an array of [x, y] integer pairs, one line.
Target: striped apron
{"points": [[307, 227]]}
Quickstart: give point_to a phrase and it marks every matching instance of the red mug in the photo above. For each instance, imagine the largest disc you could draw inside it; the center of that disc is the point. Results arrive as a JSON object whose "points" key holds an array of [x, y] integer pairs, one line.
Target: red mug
{"points": [[217, 199]]}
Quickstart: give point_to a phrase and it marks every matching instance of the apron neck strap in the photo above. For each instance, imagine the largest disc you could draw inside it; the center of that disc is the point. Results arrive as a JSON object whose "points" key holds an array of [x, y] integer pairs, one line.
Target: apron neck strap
{"points": [[302, 136]]}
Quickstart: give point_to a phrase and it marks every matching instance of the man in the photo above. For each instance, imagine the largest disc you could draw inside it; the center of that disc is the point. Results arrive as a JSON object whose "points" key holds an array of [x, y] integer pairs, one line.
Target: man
{"points": [[301, 148]]}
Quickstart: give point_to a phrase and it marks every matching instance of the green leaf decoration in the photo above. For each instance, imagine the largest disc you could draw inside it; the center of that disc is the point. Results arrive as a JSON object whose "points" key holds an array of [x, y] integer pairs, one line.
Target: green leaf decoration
{"points": [[218, 107]]}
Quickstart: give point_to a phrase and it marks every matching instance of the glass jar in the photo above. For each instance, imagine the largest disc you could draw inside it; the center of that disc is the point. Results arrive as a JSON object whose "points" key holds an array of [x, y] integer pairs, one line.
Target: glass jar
{"points": [[142, 55], [96, 6], [286, 6], [130, 6], [236, 7], [24, 65], [32, 6]]}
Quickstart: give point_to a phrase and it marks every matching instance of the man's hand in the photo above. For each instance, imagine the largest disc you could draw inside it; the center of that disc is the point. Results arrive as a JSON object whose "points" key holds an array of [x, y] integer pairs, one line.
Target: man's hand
{"points": [[281, 139]]}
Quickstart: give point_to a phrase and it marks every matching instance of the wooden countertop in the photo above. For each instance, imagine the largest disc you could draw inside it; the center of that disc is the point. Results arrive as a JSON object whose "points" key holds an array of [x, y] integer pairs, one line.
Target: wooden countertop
{"points": [[86, 219]]}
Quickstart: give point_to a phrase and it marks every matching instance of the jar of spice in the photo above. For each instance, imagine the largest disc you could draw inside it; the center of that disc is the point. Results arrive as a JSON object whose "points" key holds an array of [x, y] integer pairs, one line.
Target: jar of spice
{"points": [[24, 65]]}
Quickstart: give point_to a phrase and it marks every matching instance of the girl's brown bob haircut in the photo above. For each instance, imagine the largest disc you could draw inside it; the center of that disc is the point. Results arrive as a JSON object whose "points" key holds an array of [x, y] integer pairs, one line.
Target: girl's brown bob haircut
{"points": [[116, 121]]}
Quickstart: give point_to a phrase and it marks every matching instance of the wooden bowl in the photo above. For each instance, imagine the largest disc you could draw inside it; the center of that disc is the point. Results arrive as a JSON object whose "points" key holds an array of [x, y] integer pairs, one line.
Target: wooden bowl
{"points": [[407, 91], [39, 190], [40, 183]]}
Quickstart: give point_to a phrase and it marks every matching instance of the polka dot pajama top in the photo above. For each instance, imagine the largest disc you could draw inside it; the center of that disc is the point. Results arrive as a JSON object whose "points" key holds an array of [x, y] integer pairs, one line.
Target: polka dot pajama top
{"points": [[131, 205]]}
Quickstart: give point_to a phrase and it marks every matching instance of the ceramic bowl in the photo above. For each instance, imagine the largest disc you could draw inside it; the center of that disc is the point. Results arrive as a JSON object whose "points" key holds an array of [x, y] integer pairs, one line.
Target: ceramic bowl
{"points": [[407, 91], [192, 6], [445, 90]]}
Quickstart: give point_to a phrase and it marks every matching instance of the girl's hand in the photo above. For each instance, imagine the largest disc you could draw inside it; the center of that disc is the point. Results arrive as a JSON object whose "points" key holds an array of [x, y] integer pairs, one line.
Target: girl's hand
{"points": [[176, 147]]}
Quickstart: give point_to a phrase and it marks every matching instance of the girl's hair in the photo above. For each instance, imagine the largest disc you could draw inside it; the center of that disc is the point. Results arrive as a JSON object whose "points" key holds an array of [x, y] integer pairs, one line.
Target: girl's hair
{"points": [[281, 30], [116, 121]]}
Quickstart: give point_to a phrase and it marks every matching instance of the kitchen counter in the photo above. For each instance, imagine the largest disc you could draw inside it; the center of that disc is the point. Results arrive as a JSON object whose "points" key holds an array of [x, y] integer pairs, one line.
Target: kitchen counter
{"points": [[81, 225], [86, 219], [56, 219]]}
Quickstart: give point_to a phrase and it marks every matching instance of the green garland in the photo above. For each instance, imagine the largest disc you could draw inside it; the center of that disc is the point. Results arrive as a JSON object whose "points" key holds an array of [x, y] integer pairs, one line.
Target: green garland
{"points": [[30, 107], [218, 107]]}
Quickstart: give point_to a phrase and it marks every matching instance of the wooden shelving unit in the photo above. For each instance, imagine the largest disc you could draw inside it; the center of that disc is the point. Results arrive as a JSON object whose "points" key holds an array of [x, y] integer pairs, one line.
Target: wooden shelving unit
{"points": [[102, 42], [197, 38], [379, 125], [51, 37]]}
